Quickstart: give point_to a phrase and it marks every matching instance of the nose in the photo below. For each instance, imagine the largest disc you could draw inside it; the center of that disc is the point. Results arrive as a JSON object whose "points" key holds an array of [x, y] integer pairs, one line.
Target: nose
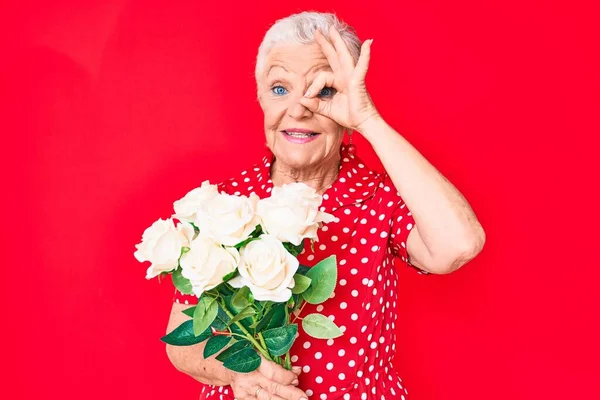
{"points": [[298, 111]]}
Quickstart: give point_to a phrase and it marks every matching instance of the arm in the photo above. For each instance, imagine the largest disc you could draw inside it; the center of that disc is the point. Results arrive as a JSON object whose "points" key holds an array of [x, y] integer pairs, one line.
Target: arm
{"points": [[189, 359], [447, 233]]}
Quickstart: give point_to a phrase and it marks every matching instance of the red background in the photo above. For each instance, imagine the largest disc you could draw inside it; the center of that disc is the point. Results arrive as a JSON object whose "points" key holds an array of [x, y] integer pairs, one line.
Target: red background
{"points": [[113, 110]]}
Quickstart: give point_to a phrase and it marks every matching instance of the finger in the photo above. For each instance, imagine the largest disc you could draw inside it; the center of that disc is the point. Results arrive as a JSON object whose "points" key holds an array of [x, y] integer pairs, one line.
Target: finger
{"points": [[346, 60], [288, 392], [327, 49], [317, 105], [264, 395], [323, 78], [276, 373], [363, 61]]}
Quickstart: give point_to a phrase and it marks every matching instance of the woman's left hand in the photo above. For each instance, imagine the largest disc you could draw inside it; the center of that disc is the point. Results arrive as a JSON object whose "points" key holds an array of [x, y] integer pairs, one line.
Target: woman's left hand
{"points": [[351, 105]]}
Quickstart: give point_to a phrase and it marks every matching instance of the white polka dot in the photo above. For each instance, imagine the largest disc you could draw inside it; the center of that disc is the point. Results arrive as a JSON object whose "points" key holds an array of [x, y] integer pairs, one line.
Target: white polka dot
{"points": [[347, 395], [294, 358], [342, 262], [354, 271], [306, 368], [306, 345], [318, 379], [343, 305], [329, 366], [320, 308], [343, 282], [334, 238], [354, 317], [355, 293], [353, 340], [364, 260], [322, 247], [353, 250], [310, 257], [318, 355], [341, 352]]}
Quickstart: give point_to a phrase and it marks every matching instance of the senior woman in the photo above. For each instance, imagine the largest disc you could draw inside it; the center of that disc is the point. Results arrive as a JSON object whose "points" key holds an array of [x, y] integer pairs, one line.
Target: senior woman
{"points": [[310, 74]]}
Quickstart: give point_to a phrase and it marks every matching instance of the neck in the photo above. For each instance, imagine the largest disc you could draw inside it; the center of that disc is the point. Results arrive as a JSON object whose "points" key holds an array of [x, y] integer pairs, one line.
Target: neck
{"points": [[317, 177]]}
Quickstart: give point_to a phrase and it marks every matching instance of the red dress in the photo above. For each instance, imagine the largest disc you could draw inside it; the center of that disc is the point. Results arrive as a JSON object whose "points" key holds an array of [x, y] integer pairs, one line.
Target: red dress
{"points": [[368, 235]]}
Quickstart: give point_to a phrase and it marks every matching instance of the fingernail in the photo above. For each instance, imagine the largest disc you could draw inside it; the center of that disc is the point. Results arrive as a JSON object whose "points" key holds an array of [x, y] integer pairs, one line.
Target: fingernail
{"points": [[295, 382], [307, 93], [371, 42], [303, 398], [296, 369]]}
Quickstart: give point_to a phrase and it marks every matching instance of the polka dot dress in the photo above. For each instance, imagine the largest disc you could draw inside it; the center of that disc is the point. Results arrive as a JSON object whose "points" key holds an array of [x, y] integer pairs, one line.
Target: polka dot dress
{"points": [[368, 235]]}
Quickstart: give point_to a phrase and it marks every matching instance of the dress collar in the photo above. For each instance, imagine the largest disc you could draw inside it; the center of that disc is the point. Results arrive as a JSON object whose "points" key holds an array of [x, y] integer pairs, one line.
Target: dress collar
{"points": [[355, 183]]}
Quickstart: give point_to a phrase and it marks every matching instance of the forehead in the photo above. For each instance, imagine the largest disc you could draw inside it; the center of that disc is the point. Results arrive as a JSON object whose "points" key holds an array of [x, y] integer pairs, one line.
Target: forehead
{"points": [[301, 59]]}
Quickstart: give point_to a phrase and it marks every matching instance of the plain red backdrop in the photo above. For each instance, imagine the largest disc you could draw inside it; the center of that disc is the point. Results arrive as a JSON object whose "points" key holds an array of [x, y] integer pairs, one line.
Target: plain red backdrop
{"points": [[113, 110]]}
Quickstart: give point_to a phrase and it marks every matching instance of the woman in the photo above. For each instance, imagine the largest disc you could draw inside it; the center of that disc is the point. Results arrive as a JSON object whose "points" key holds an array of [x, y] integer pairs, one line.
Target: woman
{"points": [[310, 75]]}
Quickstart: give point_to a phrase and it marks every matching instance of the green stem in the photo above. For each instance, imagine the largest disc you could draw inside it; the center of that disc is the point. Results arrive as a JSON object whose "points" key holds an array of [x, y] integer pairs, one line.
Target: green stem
{"points": [[248, 335], [288, 361]]}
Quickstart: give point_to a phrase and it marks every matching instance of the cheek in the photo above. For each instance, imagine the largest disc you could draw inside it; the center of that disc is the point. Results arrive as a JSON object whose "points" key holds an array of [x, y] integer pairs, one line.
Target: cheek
{"points": [[273, 114]]}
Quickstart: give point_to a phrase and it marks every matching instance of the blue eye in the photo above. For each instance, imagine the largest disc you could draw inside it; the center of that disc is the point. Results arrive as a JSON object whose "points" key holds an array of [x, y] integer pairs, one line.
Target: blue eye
{"points": [[278, 90], [327, 91]]}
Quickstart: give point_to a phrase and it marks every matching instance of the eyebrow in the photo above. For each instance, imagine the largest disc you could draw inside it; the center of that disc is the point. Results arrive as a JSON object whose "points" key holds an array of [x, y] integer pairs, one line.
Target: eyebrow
{"points": [[276, 65], [313, 69]]}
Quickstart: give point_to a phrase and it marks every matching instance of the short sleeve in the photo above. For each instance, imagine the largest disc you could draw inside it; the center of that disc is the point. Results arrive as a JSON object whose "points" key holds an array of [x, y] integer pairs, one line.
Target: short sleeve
{"points": [[181, 298], [401, 223]]}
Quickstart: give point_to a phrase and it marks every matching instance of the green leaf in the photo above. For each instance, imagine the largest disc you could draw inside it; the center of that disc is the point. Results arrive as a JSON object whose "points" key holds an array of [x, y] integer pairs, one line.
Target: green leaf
{"points": [[205, 313], [243, 361], [324, 278], [301, 283], [320, 327], [279, 340], [234, 310], [240, 299], [189, 311], [230, 276], [184, 335], [294, 250], [245, 242], [275, 318], [245, 313], [216, 344], [182, 284], [221, 321], [234, 348], [302, 269]]}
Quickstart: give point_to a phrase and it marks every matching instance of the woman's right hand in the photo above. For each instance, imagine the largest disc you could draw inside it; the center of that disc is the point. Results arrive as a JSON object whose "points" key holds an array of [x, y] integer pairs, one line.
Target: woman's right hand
{"points": [[275, 382]]}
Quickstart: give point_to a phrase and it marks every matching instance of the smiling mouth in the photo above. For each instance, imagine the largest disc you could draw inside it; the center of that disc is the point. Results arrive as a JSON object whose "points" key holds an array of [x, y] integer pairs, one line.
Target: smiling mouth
{"points": [[300, 134]]}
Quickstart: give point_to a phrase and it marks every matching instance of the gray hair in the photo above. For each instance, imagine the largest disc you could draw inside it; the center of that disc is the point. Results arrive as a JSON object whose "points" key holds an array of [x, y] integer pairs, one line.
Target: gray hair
{"points": [[300, 29]]}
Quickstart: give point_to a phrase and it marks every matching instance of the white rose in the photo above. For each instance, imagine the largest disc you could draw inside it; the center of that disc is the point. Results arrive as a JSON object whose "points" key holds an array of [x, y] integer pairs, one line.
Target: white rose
{"points": [[292, 213], [227, 219], [207, 263], [161, 245], [187, 207], [267, 268]]}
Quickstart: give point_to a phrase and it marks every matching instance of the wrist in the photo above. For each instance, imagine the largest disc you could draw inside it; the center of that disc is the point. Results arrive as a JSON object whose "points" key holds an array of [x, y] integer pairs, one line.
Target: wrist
{"points": [[370, 126]]}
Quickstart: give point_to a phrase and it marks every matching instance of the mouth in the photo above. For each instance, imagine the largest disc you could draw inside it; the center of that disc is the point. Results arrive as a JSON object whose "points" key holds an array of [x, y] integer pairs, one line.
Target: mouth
{"points": [[300, 134]]}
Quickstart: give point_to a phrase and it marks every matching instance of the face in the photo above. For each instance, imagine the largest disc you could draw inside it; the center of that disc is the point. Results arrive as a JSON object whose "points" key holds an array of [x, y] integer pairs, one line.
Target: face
{"points": [[299, 138]]}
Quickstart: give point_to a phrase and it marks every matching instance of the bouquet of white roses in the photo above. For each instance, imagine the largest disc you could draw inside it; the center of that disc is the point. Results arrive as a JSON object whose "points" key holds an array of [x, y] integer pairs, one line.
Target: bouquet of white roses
{"points": [[237, 254]]}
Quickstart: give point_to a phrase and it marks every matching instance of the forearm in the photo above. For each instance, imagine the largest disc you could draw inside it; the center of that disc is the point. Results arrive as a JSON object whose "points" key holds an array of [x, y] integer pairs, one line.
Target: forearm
{"points": [[444, 217], [190, 359]]}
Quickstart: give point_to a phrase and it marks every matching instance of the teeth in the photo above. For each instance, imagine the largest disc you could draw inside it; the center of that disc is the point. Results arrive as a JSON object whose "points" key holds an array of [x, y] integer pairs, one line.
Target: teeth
{"points": [[299, 135]]}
